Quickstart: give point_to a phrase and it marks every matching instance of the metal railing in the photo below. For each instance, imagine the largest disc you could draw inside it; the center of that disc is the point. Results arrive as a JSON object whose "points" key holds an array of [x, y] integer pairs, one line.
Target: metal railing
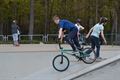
{"points": [[52, 38]]}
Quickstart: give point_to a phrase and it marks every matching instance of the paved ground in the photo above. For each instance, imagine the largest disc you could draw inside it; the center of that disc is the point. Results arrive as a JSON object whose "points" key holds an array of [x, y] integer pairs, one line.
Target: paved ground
{"points": [[33, 62], [109, 72]]}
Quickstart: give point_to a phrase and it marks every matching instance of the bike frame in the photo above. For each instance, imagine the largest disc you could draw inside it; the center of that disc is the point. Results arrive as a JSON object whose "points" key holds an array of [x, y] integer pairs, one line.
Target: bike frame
{"points": [[67, 51]]}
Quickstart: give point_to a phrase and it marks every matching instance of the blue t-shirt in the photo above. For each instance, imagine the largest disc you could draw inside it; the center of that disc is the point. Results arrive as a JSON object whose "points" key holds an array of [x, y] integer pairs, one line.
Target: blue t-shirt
{"points": [[65, 24]]}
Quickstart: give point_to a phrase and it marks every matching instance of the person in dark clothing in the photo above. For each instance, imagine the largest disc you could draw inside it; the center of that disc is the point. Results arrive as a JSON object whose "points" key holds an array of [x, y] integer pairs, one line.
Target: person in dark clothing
{"points": [[15, 33]]}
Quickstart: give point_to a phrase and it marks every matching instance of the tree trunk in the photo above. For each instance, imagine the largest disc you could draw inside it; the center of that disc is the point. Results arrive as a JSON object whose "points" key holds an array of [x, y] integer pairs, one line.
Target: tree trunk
{"points": [[50, 14], [118, 28], [1, 28], [96, 11], [31, 23], [114, 26], [15, 9], [46, 20]]}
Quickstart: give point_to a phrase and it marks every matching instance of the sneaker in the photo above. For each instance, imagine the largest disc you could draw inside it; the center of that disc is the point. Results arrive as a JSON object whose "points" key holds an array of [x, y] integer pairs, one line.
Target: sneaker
{"points": [[99, 59]]}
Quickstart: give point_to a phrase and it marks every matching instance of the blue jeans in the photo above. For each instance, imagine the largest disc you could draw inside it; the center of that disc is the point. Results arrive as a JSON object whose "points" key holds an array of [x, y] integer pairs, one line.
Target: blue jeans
{"points": [[15, 37], [72, 39], [95, 43]]}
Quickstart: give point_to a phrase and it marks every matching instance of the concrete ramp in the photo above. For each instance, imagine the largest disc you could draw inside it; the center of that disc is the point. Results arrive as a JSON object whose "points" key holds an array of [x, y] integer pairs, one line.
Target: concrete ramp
{"points": [[109, 72], [106, 69]]}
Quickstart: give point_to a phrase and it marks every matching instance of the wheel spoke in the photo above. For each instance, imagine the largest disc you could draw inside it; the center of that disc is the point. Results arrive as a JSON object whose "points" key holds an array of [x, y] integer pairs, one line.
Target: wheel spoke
{"points": [[60, 63]]}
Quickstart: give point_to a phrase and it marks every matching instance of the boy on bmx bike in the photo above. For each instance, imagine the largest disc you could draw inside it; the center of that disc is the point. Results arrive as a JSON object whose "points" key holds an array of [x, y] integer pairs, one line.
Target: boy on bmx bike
{"points": [[72, 37]]}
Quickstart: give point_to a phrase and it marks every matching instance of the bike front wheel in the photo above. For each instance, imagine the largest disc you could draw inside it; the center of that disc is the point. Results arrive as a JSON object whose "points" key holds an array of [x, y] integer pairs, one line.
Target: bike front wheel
{"points": [[60, 63], [89, 56]]}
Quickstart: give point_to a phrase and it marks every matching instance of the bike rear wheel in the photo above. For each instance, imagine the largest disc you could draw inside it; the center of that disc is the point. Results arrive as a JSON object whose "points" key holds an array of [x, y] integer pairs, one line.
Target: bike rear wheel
{"points": [[89, 55], [60, 63]]}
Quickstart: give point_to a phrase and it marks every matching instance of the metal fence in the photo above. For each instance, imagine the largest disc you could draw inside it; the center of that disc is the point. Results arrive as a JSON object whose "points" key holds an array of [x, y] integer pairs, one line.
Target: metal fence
{"points": [[52, 38]]}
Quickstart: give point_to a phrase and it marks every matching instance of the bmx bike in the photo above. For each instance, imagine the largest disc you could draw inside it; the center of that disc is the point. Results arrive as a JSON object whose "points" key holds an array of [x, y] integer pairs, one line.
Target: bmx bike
{"points": [[61, 62]]}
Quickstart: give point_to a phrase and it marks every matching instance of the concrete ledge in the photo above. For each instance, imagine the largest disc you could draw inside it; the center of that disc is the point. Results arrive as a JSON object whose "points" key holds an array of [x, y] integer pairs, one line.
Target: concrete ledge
{"points": [[91, 68]]}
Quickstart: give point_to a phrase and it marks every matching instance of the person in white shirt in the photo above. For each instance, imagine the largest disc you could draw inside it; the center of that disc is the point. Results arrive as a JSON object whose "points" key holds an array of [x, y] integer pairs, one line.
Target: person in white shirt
{"points": [[79, 27], [94, 34]]}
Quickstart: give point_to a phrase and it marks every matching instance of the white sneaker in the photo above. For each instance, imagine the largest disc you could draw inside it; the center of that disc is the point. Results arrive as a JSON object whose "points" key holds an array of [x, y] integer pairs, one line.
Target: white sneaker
{"points": [[99, 59]]}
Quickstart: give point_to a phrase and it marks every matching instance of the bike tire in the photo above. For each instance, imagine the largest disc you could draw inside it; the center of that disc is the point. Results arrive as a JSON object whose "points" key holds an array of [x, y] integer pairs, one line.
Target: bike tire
{"points": [[88, 57], [60, 63]]}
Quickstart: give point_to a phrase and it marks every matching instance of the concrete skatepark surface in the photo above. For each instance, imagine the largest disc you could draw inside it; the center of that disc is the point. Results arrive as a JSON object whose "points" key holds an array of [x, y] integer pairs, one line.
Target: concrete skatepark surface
{"points": [[109, 72], [34, 62]]}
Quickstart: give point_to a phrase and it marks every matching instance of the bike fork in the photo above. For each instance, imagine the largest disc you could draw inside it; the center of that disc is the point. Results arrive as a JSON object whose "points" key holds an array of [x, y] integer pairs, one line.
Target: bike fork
{"points": [[61, 58]]}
